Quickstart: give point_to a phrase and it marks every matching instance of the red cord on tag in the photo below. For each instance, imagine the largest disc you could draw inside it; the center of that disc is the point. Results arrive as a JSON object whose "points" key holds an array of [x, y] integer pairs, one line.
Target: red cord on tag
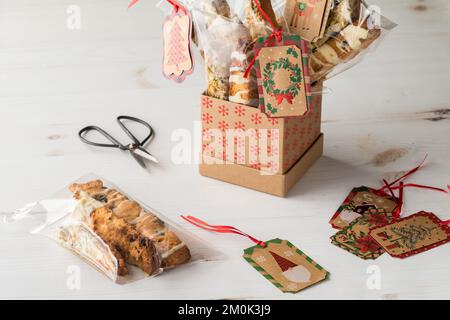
{"points": [[176, 5], [220, 229], [276, 33]]}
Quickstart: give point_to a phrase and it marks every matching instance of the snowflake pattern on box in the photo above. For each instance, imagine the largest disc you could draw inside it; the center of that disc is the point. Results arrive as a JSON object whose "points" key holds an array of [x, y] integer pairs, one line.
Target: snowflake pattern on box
{"points": [[287, 138], [411, 235]]}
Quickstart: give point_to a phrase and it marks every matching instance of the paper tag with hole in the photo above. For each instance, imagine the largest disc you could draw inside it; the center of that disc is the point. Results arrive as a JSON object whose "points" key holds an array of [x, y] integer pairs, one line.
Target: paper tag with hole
{"points": [[282, 71], [308, 18]]}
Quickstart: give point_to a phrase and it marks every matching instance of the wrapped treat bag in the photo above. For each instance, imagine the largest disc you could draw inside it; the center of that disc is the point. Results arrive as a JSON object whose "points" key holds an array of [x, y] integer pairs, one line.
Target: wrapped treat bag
{"points": [[348, 30], [259, 115], [119, 236]]}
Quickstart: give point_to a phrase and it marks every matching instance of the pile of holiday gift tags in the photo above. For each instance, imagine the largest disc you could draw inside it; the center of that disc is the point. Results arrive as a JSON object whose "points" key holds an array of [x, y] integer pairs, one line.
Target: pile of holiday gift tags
{"points": [[369, 223]]}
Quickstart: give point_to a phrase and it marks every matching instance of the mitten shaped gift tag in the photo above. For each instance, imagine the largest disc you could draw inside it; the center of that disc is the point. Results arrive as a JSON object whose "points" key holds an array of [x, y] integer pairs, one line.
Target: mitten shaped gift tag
{"points": [[282, 71], [416, 233]]}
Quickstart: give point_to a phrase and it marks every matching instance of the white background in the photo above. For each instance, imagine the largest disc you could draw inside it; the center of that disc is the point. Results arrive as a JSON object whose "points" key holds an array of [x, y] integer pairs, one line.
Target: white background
{"points": [[381, 117]]}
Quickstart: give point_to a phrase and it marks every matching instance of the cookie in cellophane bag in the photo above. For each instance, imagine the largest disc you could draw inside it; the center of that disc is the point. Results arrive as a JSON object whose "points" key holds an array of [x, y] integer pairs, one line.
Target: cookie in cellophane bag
{"points": [[118, 235]]}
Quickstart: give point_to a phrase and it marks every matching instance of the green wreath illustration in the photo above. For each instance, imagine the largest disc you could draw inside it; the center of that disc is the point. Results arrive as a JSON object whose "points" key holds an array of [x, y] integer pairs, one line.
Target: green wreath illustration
{"points": [[295, 78]]}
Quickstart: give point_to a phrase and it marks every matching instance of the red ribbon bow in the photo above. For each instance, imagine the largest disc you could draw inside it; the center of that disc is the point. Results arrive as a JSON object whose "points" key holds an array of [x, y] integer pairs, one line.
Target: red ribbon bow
{"points": [[281, 96], [220, 229]]}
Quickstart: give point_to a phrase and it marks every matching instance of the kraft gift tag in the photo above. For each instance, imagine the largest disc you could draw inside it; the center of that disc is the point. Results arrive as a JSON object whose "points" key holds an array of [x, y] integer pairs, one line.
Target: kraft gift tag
{"points": [[285, 266], [308, 18], [282, 70], [356, 239], [411, 235], [279, 261], [362, 200], [177, 60]]}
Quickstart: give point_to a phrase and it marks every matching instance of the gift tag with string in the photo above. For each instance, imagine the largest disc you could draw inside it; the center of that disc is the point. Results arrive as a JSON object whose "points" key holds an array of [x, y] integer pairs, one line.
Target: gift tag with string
{"points": [[281, 63], [366, 209], [279, 261], [178, 61]]}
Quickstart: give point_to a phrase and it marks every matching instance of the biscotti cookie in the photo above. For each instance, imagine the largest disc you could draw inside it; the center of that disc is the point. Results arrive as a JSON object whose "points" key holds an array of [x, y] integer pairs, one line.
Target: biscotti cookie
{"points": [[343, 47], [171, 249], [127, 242], [243, 90]]}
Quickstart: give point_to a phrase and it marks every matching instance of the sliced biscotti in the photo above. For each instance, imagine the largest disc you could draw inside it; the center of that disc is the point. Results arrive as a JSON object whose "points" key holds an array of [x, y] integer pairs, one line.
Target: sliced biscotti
{"points": [[126, 241]]}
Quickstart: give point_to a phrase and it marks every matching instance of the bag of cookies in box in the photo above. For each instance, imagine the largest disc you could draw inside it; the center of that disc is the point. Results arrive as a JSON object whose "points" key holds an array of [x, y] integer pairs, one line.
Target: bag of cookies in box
{"points": [[340, 31], [226, 33], [119, 236]]}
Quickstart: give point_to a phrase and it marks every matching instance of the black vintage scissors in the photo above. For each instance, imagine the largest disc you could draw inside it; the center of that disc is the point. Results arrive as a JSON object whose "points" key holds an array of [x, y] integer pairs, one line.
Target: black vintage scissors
{"points": [[135, 147]]}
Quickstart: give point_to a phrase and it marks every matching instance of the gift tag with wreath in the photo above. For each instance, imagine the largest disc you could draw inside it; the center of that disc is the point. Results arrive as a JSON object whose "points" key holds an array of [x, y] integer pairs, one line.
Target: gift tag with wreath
{"points": [[308, 18], [279, 261], [416, 233], [282, 70], [177, 59], [362, 200]]}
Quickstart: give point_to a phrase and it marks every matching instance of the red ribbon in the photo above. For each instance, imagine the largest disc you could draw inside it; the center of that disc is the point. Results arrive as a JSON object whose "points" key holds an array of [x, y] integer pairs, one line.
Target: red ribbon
{"points": [[276, 33], [176, 5], [444, 222], [391, 187], [220, 229]]}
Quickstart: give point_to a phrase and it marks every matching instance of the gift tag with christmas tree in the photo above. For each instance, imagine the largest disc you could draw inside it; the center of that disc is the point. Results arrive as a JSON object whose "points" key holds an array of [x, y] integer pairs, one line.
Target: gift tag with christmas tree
{"points": [[356, 239], [279, 261], [282, 71], [308, 18], [411, 235], [362, 200], [177, 61]]}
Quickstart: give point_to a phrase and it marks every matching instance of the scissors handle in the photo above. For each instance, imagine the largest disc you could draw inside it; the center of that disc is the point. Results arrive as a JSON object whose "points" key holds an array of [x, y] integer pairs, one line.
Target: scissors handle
{"points": [[128, 132], [114, 144]]}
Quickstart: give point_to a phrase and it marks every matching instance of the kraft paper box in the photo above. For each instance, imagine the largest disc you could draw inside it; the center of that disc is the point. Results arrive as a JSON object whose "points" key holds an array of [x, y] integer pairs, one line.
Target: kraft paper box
{"points": [[241, 143], [244, 135]]}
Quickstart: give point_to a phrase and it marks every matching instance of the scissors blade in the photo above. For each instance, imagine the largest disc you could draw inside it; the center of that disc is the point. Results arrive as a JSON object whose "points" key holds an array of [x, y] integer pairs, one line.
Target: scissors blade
{"points": [[145, 154], [138, 159]]}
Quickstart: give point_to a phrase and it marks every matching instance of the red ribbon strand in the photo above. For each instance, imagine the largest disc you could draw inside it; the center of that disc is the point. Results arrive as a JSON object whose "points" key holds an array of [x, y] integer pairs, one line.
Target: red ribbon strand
{"points": [[176, 5], [400, 187], [276, 33], [220, 229]]}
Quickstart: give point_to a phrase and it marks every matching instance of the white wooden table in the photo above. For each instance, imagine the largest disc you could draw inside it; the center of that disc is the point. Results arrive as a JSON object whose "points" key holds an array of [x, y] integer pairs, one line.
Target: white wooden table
{"points": [[381, 117]]}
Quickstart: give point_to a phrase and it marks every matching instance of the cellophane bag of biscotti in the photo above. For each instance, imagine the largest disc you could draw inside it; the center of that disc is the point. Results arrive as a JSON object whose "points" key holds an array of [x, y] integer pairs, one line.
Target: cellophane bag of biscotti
{"points": [[353, 29], [121, 237], [225, 32]]}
